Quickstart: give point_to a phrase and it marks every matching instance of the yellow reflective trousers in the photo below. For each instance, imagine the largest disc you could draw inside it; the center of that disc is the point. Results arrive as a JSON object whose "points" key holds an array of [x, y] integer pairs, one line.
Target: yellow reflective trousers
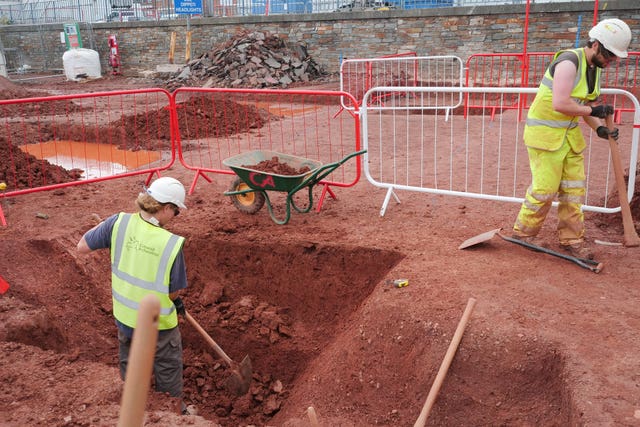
{"points": [[558, 172]]}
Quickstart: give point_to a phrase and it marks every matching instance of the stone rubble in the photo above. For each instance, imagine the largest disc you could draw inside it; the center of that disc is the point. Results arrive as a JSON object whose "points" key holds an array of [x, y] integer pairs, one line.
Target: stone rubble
{"points": [[249, 60]]}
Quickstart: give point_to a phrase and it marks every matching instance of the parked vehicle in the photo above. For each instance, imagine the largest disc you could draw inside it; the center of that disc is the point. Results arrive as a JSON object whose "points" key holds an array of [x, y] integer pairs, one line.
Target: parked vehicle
{"points": [[366, 5], [124, 16]]}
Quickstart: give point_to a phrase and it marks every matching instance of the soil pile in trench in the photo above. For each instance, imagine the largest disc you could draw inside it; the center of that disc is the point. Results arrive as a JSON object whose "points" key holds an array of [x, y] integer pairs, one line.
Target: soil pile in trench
{"points": [[251, 60]]}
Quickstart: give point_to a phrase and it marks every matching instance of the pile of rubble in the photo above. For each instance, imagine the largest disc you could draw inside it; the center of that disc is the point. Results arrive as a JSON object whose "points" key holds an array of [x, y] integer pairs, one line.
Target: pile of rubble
{"points": [[249, 60]]}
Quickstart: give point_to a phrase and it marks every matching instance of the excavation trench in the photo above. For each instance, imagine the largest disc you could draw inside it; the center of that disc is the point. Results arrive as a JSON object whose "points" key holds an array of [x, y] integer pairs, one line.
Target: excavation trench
{"points": [[284, 305]]}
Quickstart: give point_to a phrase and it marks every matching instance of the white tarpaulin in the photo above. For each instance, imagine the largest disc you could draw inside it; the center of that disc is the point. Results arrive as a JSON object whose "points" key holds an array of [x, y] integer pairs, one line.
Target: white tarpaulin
{"points": [[3, 66], [81, 64]]}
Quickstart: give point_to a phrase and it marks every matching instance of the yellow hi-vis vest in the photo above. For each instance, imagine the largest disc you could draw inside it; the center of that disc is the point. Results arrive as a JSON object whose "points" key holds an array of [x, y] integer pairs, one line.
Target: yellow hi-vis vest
{"points": [[547, 129], [141, 259]]}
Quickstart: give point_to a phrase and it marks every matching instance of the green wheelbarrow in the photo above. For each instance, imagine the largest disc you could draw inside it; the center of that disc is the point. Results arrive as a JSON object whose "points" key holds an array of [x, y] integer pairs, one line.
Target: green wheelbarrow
{"points": [[249, 191]]}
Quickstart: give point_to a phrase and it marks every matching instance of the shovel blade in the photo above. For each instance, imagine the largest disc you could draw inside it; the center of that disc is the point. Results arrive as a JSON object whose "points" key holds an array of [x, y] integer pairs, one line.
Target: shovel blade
{"points": [[240, 380], [480, 238]]}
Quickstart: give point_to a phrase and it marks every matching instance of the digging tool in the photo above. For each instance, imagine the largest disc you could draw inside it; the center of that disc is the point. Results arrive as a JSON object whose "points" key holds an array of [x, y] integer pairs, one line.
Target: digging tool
{"points": [[446, 362], [313, 417], [630, 234], [589, 264], [143, 349], [240, 379]]}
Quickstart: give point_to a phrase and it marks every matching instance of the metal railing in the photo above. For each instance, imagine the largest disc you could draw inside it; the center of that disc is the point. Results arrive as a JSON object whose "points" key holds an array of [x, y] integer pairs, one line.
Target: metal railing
{"points": [[67, 140], [476, 153], [60, 11], [61, 141], [357, 76], [215, 123]]}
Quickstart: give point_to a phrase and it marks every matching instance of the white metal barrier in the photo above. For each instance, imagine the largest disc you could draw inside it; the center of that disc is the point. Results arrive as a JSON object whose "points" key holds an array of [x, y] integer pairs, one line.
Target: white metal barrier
{"points": [[415, 147], [357, 76]]}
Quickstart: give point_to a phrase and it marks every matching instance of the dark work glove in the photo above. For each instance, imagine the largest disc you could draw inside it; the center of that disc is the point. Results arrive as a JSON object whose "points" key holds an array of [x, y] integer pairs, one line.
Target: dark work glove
{"points": [[604, 133], [179, 306], [601, 111]]}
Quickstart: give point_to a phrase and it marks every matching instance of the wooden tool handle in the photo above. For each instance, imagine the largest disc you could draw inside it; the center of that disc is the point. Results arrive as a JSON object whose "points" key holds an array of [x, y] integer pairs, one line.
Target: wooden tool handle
{"points": [[313, 417], [209, 340], [630, 234], [444, 367], [140, 366]]}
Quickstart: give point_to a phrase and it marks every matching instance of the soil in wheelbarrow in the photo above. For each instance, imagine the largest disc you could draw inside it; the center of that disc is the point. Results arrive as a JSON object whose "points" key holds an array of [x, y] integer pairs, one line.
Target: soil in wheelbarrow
{"points": [[275, 166], [548, 344]]}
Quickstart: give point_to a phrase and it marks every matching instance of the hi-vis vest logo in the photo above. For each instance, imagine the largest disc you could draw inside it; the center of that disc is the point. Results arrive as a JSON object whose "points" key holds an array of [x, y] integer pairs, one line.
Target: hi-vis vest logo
{"points": [[134, 244]]}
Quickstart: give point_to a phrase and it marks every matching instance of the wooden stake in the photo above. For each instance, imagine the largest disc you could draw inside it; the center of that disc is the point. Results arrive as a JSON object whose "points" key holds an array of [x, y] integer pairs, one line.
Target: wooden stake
{"points": [[187, 53], [172, 46]]}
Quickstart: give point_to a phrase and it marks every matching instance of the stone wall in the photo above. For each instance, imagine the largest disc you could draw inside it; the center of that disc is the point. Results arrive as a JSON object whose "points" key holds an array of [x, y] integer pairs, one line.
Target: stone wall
{"points": [[459, 31]]}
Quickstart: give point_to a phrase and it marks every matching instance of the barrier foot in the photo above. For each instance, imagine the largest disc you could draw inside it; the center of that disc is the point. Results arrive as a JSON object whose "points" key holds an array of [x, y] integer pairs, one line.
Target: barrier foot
{"points": [[3, 221], [387, 197], [150, 176], [199, 173], [325, 189]]}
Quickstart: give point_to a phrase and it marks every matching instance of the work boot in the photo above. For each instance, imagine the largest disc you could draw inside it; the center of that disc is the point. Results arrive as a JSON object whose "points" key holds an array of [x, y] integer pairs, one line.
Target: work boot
{"points": [[579, 250]]}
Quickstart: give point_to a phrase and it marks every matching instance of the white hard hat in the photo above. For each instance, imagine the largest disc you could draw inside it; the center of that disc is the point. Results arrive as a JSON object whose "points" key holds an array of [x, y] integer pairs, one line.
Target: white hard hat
{"points": [[614, 34], [167, 190]]}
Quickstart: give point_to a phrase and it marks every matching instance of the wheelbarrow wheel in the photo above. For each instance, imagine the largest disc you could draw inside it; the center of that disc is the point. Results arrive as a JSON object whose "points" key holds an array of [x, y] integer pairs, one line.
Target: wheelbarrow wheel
{"points": [[249, 203]]}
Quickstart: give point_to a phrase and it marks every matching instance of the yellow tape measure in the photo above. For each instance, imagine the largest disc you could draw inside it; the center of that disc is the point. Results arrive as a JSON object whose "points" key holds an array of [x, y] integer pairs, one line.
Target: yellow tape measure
{"points": [[398, 283]]}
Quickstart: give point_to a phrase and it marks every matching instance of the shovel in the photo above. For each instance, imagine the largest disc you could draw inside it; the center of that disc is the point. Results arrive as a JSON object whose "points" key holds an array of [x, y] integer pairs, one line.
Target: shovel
{"points": [[589, 264], [630, 234], [238, 382]]}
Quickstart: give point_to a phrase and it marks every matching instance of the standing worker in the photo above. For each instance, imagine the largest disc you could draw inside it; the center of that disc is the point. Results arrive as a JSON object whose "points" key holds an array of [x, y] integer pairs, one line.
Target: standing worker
{"points": [[147, 259], [568, 91]]}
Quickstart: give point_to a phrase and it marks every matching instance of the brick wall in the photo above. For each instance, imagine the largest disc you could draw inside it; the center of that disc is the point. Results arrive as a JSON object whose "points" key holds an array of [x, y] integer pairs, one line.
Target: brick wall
{"points": [[459, 31]]}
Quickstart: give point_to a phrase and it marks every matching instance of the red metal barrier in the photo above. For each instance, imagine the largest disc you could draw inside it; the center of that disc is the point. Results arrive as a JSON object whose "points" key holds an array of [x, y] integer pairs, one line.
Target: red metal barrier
{"points": [[216, 123], [496, 70], [60, 141], [527, 70], [623, 74]]}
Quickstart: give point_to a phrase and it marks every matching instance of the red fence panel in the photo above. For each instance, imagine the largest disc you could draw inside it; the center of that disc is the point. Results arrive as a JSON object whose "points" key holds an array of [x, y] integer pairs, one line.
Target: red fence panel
{"points": [[213, 124], [623, 74], [527, 70], [60, 141]]}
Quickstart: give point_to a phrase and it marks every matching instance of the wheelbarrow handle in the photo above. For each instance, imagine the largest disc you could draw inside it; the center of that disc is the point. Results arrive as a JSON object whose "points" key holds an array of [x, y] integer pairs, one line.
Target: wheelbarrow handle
{"points": [[320, 173]]}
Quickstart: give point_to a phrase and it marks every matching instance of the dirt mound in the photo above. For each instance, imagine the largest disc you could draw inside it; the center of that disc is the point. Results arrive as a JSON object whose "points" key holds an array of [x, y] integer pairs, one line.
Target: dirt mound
{"points": [[10, 90], [152, 129], [142, 131], [22, 170], [255, 60]]}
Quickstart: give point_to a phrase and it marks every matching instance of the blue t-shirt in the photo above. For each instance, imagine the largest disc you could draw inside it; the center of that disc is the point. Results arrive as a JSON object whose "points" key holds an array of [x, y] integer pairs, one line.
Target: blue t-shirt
{"points": [[100, 238]]}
